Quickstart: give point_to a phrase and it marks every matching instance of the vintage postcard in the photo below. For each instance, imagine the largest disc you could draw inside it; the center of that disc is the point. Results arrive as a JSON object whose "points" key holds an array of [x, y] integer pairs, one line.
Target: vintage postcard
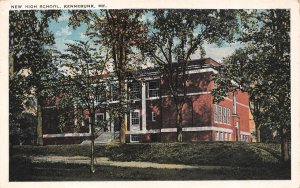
{"points": [[188, 93]]}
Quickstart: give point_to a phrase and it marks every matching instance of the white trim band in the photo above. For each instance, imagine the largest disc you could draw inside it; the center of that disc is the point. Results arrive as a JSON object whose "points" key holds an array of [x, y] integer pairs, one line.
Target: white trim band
{"points": [[180, 95], [207, 129], [202, 71], [168, 130], [164, 130], [143, 131], [194, 71], [245, 133], [185, 129]]}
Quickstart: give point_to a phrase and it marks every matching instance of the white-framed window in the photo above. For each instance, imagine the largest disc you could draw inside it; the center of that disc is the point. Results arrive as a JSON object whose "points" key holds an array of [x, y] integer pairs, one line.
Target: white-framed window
{"points": [[135, 118], [244, 138], [134, 138], [134, 90], [99, 98], [75, 121], [224, 115], [216, 113], [99, 117], [220, 113], [153, 88], [228, 116], [217, 135], [225, 137], [85, 122], [221, 136], [114, 92], [229, 136], [153, 116]]}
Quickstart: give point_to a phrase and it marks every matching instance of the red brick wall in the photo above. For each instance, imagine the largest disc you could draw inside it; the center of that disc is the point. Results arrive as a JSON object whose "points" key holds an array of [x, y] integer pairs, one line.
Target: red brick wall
{"points": [[197, 112], [168, 137], [198, 82], [202, 110], [192, 136]]}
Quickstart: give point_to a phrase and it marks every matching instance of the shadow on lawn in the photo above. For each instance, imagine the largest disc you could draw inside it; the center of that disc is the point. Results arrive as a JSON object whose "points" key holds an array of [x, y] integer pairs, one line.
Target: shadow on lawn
{"points": [[22, 169]]}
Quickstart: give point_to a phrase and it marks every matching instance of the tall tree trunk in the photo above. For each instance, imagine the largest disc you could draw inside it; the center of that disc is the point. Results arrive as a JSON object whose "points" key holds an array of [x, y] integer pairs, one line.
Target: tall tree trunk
{"points": [[179, 124], [39, 130], [258, 134], [284, 145], [122, 119], [123, 131], [92, 169], [92, 164]]}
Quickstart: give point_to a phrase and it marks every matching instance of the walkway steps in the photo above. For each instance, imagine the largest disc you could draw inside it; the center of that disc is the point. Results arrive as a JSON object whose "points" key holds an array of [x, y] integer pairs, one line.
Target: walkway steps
{"points": [[103, 138]]}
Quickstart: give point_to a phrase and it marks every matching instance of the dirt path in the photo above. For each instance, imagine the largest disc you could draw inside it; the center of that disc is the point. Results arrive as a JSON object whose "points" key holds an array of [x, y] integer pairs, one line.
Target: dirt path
{"points": [[105, 161]]}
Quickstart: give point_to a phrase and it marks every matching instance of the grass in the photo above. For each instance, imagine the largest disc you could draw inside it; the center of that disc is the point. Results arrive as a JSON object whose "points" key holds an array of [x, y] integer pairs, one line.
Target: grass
{"points": [[26, 171], [208, 153], [249, 161]]}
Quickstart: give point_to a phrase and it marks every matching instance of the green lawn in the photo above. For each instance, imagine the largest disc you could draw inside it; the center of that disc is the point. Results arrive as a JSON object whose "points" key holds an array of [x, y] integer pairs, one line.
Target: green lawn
{"points": [[249, 161]]}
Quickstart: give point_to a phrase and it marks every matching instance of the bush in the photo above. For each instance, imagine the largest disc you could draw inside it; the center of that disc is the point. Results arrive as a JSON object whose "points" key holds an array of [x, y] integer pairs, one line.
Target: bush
{"points": [[23, 130]]}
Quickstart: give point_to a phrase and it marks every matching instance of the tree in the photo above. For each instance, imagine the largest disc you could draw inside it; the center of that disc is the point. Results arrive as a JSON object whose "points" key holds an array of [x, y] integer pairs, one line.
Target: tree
{"points": [[30, 59], [83, 85], [262, 69], [176, 35], [120, 31]]}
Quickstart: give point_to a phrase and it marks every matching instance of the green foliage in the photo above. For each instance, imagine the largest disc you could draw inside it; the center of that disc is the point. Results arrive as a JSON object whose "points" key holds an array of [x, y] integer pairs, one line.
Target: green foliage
{"points": [[178, 34], [261, 68], [119, 32], [82, 82], [30, 60], [22, 129], [175, 35]]}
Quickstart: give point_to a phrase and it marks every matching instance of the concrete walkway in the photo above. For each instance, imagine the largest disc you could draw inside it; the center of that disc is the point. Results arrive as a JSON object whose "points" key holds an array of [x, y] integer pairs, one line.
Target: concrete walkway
{"points": [[104, 161]]}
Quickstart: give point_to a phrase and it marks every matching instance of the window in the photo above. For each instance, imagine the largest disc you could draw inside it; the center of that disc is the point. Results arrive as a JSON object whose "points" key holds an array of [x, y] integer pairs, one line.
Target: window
{"points": [[229, 136], [99, 99], [153, 88], [99, 117], [216, 113], [75, 121], [225, 136], [134, 90], [228, 116], [221, 136], [114, 93], [220, 113], [217, 135], [86, 122], [153, 116], [135, 118], [242, 137], [134, 138], [224, 115]]}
